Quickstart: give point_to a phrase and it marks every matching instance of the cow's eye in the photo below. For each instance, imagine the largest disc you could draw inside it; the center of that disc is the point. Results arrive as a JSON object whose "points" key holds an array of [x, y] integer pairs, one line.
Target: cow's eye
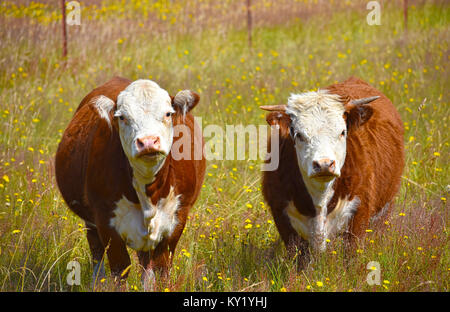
{"points": [[343, 133], [168, 114], [296, 135], [292, 133], [300, 137], [121, 117]]}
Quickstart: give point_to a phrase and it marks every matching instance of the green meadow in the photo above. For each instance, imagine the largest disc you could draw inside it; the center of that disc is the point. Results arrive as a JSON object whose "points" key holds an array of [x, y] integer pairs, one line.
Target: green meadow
{"points": [[230, 242]]}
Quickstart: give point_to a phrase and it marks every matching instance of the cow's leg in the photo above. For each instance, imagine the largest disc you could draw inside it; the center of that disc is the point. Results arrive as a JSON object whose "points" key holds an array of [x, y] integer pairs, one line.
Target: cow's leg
{"points": [[97, 251], [147, 275], [357, 228], [161, 258], [296, 246], [379, 219], [118, 257], [158, 260]]}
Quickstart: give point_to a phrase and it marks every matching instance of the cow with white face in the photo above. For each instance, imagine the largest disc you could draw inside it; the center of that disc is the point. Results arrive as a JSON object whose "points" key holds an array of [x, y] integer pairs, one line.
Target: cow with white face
{"points": [[319, 132], [341, 158], [114, 168], [145, 113]]}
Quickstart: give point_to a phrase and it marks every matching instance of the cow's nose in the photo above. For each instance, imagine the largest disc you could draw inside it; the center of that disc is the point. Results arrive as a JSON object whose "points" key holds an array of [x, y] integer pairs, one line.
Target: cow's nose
{"points": [[324, 165], [148, 144]]}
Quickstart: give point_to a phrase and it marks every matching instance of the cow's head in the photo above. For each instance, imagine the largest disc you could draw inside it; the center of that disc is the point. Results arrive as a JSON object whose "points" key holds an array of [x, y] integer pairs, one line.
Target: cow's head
{"points": [[144, 117], [318, 123]]}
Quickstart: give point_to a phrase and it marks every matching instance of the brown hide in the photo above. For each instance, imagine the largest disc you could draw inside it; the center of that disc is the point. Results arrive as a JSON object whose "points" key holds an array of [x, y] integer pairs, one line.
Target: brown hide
{"points": [[372, 169], [93, 173]]}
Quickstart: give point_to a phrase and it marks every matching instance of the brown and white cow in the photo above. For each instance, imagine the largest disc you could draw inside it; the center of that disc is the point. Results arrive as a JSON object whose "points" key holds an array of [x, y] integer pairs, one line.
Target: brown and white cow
{"points": [[341, 160], [115, 169]]}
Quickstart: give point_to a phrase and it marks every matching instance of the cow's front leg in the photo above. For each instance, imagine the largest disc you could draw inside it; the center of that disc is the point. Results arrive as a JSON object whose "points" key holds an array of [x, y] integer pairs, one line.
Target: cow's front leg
{"points": [[97, 251], [355, 234], [147, 275], [116, 250], [357, 228]]}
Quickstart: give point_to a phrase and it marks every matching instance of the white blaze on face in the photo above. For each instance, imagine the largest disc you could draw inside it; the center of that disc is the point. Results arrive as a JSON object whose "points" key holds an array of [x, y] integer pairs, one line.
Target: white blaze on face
{"points": [[144, 110], [317, 119]]}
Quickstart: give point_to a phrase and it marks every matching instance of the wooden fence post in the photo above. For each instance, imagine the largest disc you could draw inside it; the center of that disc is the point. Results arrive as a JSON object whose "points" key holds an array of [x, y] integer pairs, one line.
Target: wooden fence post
{"points": [[405, 13], [249, 23], [64, 27]]}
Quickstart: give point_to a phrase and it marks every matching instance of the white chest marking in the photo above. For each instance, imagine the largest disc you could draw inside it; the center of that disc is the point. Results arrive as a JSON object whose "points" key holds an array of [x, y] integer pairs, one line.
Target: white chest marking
{"points": [[129, 223], [299, 222], [145, 233], [318, 229]]}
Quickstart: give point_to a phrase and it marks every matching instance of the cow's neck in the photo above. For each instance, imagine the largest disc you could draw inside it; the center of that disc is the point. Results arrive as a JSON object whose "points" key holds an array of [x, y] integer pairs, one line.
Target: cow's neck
{"points": [[321, 194], [145, 176], [144, 172]]}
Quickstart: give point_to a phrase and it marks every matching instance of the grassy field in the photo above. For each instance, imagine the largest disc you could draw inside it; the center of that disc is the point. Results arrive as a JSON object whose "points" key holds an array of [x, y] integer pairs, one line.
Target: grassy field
{"points": [[230, 242]]}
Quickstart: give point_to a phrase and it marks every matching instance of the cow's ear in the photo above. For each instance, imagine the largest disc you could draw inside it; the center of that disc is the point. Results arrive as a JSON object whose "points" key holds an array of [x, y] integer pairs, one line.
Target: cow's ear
{"points": [[358, 116], [280, 119], [105, 108], [184, 101], [358, 112]]}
